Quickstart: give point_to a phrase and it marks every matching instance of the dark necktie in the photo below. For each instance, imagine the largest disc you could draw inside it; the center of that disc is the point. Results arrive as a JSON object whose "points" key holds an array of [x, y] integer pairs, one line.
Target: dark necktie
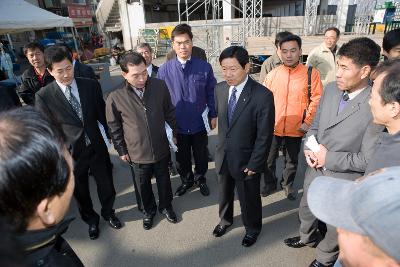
{"points": [[343, 102], [76, 106], [140, 91], [231, 105]]}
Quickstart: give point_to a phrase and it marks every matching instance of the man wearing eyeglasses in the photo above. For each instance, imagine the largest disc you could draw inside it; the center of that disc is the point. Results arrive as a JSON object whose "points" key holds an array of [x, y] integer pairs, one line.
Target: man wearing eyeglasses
{"points": [[323, 57], [191, 83]]}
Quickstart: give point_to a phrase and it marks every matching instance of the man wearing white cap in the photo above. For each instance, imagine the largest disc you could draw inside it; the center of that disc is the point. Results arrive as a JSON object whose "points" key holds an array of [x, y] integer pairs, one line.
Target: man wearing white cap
{"points": [[366, 213]]}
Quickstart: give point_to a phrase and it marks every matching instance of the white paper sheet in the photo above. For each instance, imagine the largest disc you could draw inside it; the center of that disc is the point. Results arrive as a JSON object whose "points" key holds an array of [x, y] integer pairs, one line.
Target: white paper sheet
{"points": [[170, 137], [204, 115], [312, 144]]}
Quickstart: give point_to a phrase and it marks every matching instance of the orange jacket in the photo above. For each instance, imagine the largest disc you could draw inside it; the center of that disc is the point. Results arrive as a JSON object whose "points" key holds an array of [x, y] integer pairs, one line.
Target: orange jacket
{"points": [[289, 86]]}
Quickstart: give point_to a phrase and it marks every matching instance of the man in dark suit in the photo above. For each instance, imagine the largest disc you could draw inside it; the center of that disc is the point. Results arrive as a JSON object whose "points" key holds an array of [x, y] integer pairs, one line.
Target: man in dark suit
{"points": [[78, 105], [246, 116], [145, 50]]}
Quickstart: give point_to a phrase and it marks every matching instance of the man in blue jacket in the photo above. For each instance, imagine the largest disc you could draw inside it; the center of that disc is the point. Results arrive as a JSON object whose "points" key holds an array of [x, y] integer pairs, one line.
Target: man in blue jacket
{"points": [[191, 84]]}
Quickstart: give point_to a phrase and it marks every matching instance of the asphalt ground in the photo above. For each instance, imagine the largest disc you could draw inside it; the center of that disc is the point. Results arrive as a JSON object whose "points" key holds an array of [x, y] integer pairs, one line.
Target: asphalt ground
{"points": [[189, 242]]}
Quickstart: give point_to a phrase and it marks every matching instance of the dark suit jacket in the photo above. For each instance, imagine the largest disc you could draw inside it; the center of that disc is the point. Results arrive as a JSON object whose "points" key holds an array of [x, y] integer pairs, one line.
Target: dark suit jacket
{"points": [[246, 142], [51, 100], [154, 71], [83, 71], [30, 85]]}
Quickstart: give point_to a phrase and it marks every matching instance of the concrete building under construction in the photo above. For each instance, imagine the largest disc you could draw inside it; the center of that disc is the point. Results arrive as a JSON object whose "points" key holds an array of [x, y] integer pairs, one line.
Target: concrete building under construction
{"points": [[219, 23]]}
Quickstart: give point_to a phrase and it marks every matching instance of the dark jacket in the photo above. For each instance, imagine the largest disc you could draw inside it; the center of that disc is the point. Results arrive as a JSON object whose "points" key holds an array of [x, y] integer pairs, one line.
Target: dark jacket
{"points": [[386, 153], [8, 98], [192, 90], [137, 126], [83, 71], [46, 247], [154, 71], [246, 142], [51, 100], [31, 85]]}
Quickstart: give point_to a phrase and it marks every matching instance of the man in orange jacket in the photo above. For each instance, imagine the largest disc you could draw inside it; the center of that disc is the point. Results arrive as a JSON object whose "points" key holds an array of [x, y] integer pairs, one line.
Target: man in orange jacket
{"points": [[295, 106]]}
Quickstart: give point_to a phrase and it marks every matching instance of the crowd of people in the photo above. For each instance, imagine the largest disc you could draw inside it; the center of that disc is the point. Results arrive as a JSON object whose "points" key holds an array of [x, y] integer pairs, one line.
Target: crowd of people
{"points": [[343, 105]]}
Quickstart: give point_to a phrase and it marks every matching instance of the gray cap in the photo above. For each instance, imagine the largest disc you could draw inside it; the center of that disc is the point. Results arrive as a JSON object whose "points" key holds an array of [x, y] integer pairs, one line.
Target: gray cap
{"points": [[369, 207]]}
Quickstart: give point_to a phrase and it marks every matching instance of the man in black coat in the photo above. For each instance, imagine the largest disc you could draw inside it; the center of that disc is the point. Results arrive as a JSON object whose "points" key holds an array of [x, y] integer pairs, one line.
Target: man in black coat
{"points": [[78, 105], [36, 76], [246, 116]]}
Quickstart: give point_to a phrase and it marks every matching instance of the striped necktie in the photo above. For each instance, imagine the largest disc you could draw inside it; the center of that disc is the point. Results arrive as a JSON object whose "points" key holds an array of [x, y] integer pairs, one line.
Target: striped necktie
{"points": [[76, 106], [232, 105]]}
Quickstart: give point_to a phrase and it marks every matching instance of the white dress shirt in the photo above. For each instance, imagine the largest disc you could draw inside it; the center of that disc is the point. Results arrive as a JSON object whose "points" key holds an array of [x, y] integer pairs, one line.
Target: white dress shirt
{"points": [[74, 89], [150, 69], [239, 89]]}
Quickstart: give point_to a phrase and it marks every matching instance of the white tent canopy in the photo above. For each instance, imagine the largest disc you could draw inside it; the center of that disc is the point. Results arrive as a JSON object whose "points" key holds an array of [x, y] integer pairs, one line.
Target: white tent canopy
{"points": [[20, 16]]}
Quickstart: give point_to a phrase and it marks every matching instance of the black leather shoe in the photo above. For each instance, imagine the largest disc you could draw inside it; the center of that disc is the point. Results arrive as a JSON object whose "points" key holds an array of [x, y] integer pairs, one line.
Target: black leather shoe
{"points": [[148, 222], [220, 230], [182, 189], [204, 189], [289, 192], [294, 242], [249, 240], [170, 215], [93, 231], [114, 222], [316, 263], [268, 190]]}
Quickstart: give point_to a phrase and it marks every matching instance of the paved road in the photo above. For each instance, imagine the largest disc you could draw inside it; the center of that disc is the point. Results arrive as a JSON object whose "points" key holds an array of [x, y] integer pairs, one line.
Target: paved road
{"points": [[190, 242]]}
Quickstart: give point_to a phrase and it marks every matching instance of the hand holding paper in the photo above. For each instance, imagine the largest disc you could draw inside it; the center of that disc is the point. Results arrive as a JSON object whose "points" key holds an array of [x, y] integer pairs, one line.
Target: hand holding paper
{"points": [[312, 144]]}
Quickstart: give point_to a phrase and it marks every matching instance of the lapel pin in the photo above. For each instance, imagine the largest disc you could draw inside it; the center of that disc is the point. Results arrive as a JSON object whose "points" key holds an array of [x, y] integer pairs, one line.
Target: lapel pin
{"points": [[244, 99]]}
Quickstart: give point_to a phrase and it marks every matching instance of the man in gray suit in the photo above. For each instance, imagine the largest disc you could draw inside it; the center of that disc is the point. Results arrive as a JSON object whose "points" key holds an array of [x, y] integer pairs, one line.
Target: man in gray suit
{"points": [[346, 135], [246, 116]]}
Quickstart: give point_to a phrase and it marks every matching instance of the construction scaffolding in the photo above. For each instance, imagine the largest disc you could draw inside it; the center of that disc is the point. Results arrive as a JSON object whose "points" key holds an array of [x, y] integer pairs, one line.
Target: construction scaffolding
{"points": [[310, 17], [364, 15], [250, 25]]}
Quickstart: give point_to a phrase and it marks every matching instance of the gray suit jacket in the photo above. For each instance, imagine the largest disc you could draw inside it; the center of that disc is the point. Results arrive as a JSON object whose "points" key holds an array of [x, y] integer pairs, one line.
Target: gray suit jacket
{"points": [[350, 136], [246, 142]]}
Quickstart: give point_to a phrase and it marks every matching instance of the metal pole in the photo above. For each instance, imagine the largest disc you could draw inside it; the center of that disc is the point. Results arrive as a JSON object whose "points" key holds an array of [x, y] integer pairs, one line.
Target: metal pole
{"points": [[179, 11], [75, 44], [10, 41], [187, 12]]}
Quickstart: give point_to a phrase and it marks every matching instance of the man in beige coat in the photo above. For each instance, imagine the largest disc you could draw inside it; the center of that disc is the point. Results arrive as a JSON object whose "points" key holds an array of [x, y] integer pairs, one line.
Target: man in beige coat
{"points": [[323, 57]]}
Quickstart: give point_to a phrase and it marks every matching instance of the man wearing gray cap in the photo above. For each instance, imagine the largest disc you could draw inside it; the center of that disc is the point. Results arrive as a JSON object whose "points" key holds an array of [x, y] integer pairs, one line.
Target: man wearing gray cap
{"points": [[366, 213]]}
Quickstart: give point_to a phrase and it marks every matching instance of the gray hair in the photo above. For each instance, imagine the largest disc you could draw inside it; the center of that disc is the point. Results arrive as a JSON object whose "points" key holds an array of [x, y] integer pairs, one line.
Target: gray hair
{"points": [[144, 45]]}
